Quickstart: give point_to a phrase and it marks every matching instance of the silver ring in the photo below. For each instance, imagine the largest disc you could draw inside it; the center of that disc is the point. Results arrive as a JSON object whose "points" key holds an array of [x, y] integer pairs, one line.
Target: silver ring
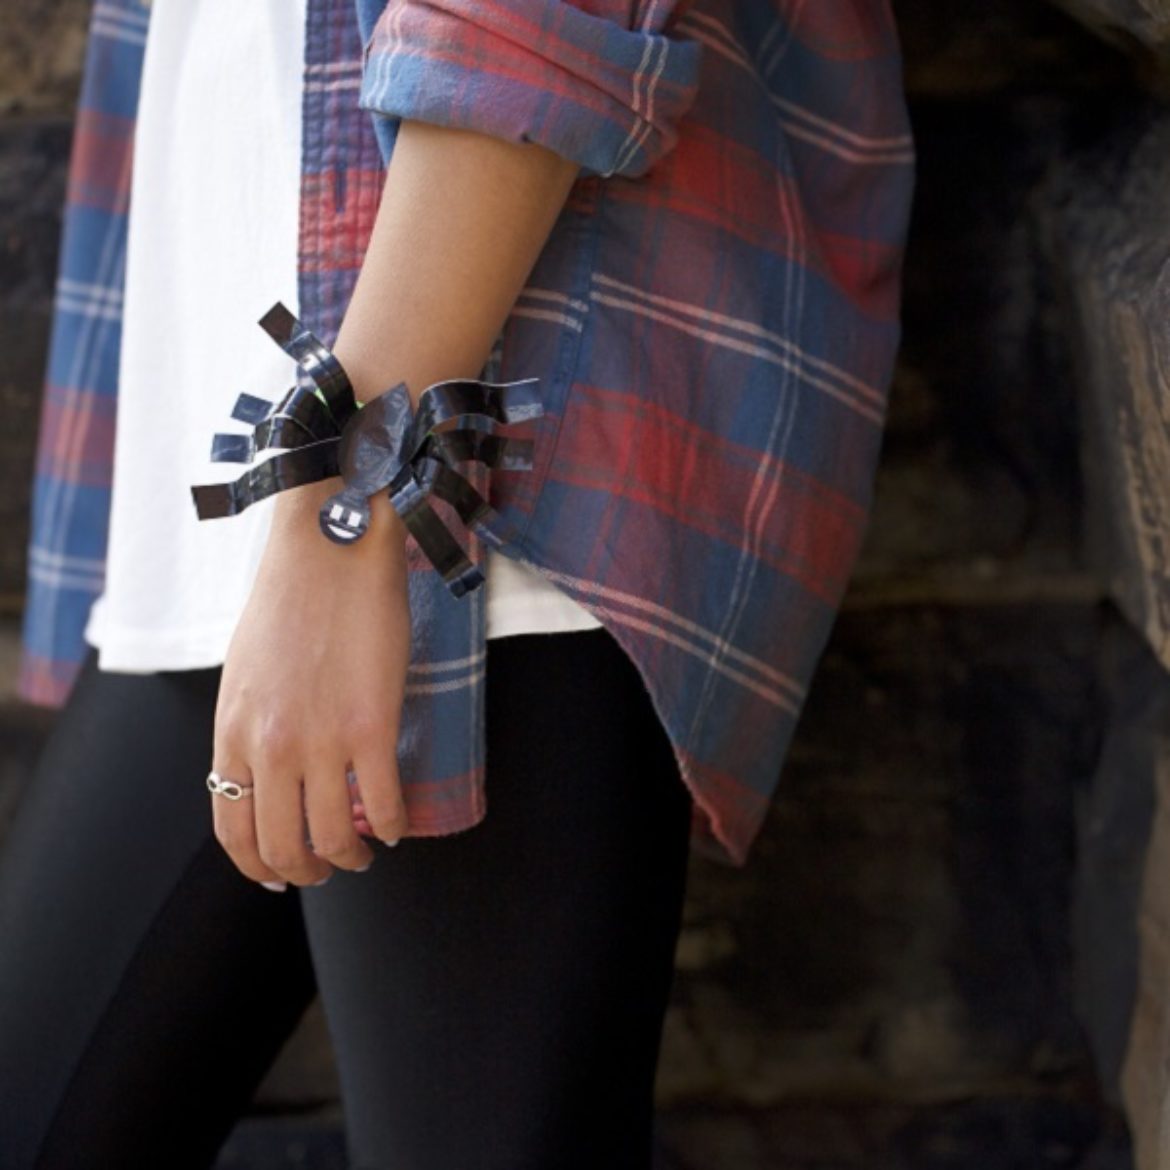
{"points": [[232, 789]]}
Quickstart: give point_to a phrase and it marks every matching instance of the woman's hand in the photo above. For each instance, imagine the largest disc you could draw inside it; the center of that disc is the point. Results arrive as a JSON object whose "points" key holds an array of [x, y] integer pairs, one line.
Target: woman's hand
{"points": [[313, 682], [316, 670]]}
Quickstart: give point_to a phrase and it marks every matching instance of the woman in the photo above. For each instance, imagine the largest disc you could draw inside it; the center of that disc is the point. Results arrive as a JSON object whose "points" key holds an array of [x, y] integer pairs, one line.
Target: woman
{"points": [[687, 222]]}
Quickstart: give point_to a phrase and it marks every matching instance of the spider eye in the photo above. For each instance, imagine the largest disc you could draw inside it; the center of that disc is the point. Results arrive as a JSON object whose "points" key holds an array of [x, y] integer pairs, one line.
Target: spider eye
{"points": [[342, 524]]}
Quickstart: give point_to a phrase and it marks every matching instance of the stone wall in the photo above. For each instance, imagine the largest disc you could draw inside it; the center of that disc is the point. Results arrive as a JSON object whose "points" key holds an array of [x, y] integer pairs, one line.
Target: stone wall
{"points": [[41, 50], [931, 960]]}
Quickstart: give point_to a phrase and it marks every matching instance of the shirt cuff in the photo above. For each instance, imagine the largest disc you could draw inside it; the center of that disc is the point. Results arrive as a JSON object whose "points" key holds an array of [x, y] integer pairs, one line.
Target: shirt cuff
{"points": [[606, 96]]}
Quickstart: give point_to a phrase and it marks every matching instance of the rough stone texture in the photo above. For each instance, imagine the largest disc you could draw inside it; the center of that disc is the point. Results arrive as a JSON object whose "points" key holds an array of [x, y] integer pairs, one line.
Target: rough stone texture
{"points": [[1107, 226], [1106, 232], [1142, 26], [1146, 1073], [1114, 815], [33, 156], [953, 48], [1001, 1133], [42, 44], [903, 930], [965, 424], [1135, 768]]}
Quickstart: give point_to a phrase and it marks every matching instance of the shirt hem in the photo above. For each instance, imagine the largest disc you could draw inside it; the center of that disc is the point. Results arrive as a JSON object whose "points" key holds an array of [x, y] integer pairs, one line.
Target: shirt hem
{"points": [[537, 614]]}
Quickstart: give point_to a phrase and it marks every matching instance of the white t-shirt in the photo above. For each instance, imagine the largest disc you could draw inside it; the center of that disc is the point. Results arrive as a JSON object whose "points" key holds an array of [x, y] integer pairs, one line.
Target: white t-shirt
{"points": [[199, 245]]}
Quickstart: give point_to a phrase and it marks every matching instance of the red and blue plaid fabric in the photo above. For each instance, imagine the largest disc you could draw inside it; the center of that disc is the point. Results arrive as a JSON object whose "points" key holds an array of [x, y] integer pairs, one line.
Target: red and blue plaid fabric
{"points": [[714, 322], [71, 489]]}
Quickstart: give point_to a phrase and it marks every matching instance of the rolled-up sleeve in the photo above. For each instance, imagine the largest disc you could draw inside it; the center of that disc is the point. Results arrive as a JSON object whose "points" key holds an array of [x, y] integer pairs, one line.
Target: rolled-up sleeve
{"points": [[601, 82]]}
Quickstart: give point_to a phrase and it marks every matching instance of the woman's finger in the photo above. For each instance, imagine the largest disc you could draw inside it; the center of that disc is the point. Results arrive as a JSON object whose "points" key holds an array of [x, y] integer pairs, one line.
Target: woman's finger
{"points": [[280, 826], [376, 766], [358, 809], [330, 816], [235, 824]]}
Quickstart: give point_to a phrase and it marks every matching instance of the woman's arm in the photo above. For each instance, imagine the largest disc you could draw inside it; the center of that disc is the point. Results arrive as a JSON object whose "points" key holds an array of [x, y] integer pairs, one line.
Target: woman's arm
{"points": [[462, 220], [315, 674]]}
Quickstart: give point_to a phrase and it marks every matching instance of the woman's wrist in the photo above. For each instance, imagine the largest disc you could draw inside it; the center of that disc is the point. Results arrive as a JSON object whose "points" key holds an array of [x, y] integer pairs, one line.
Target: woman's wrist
{"points": [[296, 512]]}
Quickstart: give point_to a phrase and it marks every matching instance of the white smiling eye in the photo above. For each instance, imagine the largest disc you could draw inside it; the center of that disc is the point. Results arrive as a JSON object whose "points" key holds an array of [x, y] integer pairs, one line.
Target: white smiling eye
{"points": [[344, 524], [350, 516]]}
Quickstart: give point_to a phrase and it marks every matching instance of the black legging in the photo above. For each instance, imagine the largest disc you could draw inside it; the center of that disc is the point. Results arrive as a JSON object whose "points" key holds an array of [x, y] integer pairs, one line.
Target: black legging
{"points": [[495, 997]]}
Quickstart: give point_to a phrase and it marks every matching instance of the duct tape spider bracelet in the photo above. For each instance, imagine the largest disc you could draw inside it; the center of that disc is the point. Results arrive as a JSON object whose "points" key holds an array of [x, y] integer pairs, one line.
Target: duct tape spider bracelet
{"points": [[384, 443]]}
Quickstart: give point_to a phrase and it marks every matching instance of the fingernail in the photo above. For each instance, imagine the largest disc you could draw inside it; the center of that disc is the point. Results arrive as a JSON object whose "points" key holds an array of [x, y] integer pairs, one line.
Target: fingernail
{"points": [[275, 887], [324, 879], [390, 843]]}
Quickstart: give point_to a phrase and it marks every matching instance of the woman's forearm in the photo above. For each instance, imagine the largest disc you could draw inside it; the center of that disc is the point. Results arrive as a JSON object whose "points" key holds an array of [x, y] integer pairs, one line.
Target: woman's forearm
{"points": [[462, 220]]}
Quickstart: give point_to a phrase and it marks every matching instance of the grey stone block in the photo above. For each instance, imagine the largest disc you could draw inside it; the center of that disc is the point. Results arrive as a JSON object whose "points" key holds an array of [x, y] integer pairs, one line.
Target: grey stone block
{"points": [[1138, 25], [1115, 814], [902, 930], [954, 49], [978, 491], [33, 156], [42, 45], [1106, 225], [1004, 1132]]}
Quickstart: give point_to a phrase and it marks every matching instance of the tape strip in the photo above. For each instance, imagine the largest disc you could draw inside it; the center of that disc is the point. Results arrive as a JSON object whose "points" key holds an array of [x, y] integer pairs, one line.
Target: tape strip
{"points": [[386, 444]]}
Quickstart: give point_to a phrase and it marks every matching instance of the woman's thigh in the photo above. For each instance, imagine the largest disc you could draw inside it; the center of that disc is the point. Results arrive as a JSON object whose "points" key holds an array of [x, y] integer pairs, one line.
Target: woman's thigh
{"points": [[496, 996], [145, 985]]}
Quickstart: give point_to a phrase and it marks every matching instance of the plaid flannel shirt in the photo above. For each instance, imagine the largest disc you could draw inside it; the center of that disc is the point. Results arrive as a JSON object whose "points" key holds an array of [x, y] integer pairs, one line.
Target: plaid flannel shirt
{"points": [[714, 322]]}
